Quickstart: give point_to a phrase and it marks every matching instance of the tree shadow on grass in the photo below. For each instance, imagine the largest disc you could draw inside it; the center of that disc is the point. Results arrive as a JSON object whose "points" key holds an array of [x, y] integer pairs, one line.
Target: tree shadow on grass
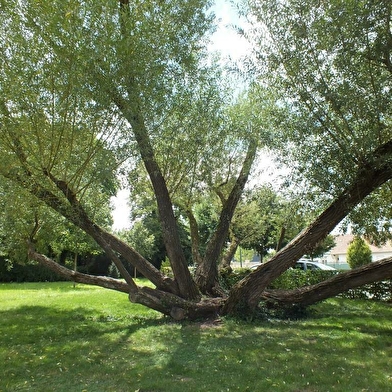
{"points": [[44, 348], [78, 349]]}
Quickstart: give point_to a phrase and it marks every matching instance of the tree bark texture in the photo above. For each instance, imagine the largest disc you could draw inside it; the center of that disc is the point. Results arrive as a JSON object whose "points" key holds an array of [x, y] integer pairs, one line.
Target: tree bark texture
{"points": [[171, 237], [161, 301], [373, 272]]}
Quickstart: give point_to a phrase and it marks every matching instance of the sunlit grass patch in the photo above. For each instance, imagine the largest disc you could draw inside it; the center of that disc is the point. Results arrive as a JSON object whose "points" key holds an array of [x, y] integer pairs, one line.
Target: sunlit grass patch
{"points": [[57, 338]]}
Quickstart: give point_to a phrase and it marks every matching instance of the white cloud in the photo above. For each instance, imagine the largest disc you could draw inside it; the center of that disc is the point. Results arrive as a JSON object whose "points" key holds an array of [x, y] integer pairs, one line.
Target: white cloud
{"points": [[226, 39], [121, 210]]}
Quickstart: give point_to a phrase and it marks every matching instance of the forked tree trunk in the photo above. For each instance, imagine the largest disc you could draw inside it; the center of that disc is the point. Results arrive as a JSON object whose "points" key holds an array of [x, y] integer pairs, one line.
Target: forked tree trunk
{"points": [[169, 299], [178, 308], [207, 272]]}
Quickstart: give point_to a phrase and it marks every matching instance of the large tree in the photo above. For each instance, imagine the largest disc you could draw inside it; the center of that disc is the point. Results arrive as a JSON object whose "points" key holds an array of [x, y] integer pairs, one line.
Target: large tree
{"points": [[80, 79]]}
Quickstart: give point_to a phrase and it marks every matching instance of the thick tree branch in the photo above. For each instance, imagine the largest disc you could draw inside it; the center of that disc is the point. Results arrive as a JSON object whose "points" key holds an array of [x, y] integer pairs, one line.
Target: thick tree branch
{"points": [[75, 213], [309, 295], [176, 307], [102, 281], [207, 272], [171, 238], [164, 302]]}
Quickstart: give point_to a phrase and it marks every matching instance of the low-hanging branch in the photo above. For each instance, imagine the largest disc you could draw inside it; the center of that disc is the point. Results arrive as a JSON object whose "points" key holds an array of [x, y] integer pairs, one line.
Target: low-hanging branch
{"points": [[78, 277], [308, 295]]}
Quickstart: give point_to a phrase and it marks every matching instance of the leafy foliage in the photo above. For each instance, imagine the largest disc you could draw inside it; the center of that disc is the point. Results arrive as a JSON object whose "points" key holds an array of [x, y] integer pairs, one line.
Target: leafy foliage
{"points": [[330, 62], [378, 291], [30, 272], [290, 279], [95, 91], [323, 247]]}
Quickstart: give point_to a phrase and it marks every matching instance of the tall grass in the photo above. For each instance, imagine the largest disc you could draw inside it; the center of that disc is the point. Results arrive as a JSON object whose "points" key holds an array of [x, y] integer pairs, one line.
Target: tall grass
{"points": [[58, 338]]}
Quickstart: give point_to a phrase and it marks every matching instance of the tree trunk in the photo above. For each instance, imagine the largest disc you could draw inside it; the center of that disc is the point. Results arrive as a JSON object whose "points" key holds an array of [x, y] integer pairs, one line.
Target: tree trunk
{"points": [[207, 272], [195, 237], [225, 263], [281, 238], [171, 237]]}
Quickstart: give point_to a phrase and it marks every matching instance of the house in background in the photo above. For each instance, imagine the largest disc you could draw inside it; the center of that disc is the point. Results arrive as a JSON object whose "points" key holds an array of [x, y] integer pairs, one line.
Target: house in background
{"points": [[337, 256]]}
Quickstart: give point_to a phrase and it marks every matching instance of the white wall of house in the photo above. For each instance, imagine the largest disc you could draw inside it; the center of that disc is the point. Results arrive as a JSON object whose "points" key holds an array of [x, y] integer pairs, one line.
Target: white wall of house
{"points": [[337, 256]]}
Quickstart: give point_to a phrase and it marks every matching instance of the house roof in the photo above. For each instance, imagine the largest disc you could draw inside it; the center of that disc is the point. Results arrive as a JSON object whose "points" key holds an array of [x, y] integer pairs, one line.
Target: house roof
{"points": [[343, 242]]}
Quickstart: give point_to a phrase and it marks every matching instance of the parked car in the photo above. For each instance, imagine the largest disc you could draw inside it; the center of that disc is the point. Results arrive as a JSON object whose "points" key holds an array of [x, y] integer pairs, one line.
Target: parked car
{"points": [[312, 265], [305, 265]]}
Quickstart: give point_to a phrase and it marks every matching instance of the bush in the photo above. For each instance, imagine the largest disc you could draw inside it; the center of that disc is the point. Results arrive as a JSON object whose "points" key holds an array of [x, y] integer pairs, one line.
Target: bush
{"points": [[380, 291], [358, 253], [295, 278], [290, 279], [29, 272], [228, 278], [113, 271]]}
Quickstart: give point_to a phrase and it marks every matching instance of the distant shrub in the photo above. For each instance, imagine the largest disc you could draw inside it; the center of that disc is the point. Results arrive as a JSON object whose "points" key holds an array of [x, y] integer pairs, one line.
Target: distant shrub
{"points": [[295, 278], [166, 268], [30, 272], [228, 278], [290, 279], [358, 253], [113, 271]]}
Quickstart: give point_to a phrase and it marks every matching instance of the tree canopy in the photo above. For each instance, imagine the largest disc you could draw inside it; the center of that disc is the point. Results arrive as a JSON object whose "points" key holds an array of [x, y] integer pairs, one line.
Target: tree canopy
{"points": [[95, 93]]}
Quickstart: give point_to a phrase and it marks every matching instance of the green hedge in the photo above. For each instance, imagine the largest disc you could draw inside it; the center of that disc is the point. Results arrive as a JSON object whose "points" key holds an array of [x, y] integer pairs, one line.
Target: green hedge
{"points": [[26, 273], [380, 291]]}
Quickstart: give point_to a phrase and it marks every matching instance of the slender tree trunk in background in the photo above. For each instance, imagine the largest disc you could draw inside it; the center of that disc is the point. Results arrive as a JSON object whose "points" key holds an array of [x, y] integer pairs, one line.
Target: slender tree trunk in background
{"points": [[225, 263], [195, 238], [207, 272], [280, 239], [75, 264]]}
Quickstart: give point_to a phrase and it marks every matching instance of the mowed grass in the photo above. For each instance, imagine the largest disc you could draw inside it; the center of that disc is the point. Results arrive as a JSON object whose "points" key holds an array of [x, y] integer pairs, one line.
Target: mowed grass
{"points": [[55, 337]]}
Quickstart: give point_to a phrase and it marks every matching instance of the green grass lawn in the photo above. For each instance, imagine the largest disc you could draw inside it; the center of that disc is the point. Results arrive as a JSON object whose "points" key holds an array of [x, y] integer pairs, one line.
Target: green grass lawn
{"points": [[58, 338]]}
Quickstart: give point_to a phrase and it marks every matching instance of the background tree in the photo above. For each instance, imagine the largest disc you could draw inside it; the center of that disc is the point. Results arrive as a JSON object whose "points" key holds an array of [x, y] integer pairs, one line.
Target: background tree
{"points": [[323, 247], [358, 253], [332, 72], [264, 221], [146, 235]]}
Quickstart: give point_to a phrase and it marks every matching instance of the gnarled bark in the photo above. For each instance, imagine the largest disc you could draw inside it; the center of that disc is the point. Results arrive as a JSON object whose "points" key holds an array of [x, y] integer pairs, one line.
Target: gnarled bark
{"points": [[162, 301], [309, 295]]}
